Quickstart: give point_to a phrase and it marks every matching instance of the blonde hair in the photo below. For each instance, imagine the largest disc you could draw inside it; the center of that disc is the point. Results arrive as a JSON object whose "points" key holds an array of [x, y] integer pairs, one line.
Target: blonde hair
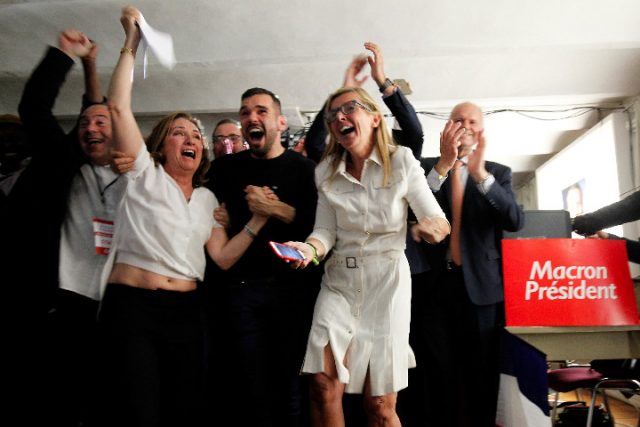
{"points": [[384, 143]]}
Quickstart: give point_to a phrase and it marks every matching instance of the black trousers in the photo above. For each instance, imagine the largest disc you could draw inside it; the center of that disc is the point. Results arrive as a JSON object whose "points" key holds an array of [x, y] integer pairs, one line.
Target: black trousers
{"points": [[78, 361], [265, 329], [156, 356], [476, 338], [456, 343], [429, 399]]}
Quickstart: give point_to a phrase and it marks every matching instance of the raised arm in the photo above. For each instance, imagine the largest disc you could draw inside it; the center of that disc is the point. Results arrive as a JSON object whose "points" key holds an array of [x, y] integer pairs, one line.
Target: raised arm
{"points": [[376, 62], [92, 90], [353, 70], [41, 92], [74, 43], [316, 138], [126, 133], [410, 134]]}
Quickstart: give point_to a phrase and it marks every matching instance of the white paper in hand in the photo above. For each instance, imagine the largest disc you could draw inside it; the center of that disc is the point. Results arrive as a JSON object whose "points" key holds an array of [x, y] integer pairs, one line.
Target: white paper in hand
{"points": [[160, 43]]}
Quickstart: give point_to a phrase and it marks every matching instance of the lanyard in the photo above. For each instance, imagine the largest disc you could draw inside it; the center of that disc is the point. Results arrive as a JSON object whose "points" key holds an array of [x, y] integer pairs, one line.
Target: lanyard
{"points": [[99, 183]]}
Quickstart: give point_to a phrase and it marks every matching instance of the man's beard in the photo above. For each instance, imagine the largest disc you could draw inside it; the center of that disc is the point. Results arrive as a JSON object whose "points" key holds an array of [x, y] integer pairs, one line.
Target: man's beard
{"points": [[262, 151]]}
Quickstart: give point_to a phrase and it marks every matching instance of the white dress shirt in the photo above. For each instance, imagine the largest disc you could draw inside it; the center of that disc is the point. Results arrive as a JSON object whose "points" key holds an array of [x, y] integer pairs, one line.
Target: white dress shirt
{"points": [[160, 230]]}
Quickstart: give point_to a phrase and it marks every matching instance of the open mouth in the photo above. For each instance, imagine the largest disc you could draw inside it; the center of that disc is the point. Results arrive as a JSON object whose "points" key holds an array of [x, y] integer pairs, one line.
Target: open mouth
{"points": [[189, 153], [345, 130], [92, 141], [256, 133]]}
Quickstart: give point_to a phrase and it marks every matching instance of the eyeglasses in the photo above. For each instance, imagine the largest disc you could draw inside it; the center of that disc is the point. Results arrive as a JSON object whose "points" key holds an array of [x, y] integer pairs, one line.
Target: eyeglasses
{"points": [[233, 138], [346, 109]]}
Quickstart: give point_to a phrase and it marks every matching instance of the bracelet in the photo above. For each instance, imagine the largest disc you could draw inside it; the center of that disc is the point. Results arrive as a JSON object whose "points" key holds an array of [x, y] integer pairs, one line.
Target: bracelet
{"points": [[314, 260], [250, 232], [386, 84], [127, 49]]}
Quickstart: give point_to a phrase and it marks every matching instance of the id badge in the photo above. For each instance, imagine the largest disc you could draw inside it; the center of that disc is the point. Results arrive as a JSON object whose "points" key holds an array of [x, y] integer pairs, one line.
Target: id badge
{"points": [[102, 235]]}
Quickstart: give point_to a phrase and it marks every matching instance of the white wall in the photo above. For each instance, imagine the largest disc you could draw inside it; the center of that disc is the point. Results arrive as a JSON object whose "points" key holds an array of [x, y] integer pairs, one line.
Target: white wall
{"points": [[603, 160], [600, 159]]}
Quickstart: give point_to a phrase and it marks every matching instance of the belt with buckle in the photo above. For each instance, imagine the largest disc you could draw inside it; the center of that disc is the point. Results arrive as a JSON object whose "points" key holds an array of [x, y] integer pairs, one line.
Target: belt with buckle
{"points": [[359, 261]]}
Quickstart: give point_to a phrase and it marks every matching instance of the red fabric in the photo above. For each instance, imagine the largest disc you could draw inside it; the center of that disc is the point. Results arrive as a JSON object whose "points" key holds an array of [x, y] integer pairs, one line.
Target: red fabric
{"points": [[571, 378]]}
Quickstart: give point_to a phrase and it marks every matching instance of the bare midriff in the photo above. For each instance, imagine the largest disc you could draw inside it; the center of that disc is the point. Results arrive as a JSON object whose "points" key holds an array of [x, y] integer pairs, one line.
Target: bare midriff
{"points": [[138, 278]]}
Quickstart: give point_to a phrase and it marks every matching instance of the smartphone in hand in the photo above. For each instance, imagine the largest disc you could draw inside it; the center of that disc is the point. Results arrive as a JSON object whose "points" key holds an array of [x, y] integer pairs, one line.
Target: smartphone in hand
{"points": [[285, 252]]}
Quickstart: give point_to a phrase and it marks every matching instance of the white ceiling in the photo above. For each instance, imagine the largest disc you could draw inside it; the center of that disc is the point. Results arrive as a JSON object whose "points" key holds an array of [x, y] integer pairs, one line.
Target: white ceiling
{"points": [[502, 54]]}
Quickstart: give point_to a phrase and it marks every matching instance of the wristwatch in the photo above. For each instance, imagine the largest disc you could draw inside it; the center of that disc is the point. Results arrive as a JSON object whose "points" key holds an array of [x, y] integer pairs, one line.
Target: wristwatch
{"points": [[386, 84]]}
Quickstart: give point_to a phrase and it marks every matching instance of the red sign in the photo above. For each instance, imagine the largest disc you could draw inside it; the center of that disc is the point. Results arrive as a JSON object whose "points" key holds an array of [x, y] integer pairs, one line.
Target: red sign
{"points": [[567, 282]]}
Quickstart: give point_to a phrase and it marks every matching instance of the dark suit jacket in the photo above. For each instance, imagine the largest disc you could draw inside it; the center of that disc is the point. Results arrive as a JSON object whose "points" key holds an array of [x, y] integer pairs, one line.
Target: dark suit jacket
{"points": [[621, 212], [484, 216], [30, 223]]}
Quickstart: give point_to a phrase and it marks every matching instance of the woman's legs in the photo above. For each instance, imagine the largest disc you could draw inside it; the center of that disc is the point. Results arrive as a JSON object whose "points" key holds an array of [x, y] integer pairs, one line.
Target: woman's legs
{"points": [[380, 410], [326, 395]]}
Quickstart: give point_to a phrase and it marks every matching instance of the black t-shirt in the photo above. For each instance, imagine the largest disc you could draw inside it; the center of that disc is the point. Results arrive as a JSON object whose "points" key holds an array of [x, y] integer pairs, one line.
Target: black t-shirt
{"points": [[291, 177]]}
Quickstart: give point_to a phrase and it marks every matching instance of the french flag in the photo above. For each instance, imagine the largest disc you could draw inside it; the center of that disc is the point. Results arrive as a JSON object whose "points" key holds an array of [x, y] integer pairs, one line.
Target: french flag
{"points": [[524, 389]]}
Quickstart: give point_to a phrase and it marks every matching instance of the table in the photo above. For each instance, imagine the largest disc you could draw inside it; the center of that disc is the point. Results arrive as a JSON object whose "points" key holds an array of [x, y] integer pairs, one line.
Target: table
{"points": [[582, 342]]}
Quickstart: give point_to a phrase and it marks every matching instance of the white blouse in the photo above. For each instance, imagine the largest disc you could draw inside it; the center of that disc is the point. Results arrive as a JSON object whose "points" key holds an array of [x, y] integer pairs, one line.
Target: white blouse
{"points": [[160, 230]]}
